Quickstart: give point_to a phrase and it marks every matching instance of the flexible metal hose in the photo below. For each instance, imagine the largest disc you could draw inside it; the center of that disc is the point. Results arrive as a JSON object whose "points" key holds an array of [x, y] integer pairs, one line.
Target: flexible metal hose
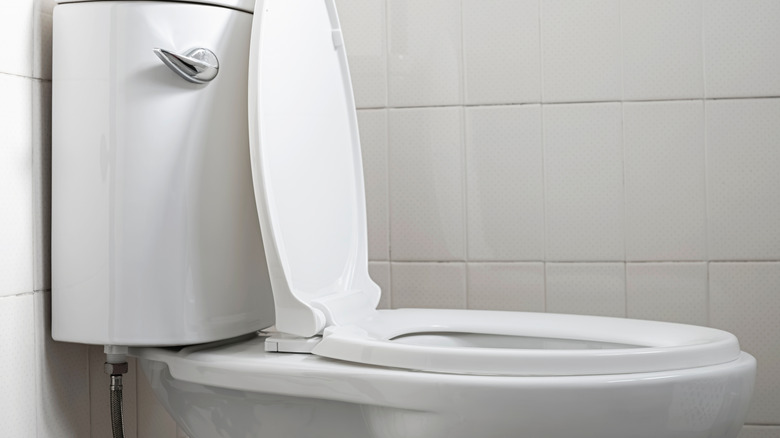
{"points": [[117, 425]]}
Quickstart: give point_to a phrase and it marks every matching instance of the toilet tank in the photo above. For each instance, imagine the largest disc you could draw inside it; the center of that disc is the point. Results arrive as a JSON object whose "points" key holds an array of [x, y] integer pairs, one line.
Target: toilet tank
{"points": [[155, 235]]}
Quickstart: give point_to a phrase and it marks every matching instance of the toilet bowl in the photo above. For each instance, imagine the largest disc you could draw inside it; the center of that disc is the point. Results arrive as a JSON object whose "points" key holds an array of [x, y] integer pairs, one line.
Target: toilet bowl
{"points": [[236, 388], [239, 390], [332, 365]]}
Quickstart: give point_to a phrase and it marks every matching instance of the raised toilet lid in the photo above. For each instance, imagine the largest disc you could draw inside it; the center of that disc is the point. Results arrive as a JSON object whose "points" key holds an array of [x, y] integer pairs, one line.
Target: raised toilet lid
{"points": [[308, 182], [306, 166]]}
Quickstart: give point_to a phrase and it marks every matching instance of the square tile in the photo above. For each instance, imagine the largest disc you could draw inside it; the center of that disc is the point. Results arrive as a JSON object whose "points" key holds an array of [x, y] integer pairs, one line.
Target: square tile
{"points": [[583, 159], [586, 288], [41, 184], [673, 292], [743, 159], [429, 285], [16, 28], [742, 58], [580, 50], [99, 384], [380, 273], [16, 229], [42, 34], [760, 432], [425, 53], [662, 49], [63, 379], [18, 399], [426, 185], [365, 38], [745, 300], [501, 51], [373, 142], [506, 286], [153, 419], [665, 181], [505, 183]]}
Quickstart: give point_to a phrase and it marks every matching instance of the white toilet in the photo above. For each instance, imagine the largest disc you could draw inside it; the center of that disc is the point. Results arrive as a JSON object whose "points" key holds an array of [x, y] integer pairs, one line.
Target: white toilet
{"points": [[160, 242]]}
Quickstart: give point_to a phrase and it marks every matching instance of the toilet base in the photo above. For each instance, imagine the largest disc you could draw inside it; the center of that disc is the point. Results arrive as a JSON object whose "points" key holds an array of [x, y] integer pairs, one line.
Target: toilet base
{"points": [[366, 401]]}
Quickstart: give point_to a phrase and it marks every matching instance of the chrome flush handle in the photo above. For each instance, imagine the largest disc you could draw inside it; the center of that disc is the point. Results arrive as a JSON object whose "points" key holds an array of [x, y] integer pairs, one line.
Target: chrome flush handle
{"points": [[197, 65]]}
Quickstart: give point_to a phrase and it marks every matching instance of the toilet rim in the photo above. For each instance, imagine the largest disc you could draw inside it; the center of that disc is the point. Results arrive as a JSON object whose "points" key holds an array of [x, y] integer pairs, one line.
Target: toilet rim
{"points": [[661, 346]]}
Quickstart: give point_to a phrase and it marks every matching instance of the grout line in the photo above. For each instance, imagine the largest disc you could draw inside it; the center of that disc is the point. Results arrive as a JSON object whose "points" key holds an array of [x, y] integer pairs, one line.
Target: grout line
{"points": [[37, 347], [3, 73], [389, 248], [707, 301], [622, 53], [572, 262], [703, 49], [574, 102], [387, 53], [465, 197], [541, 55], [544, 160], [463, 98]]}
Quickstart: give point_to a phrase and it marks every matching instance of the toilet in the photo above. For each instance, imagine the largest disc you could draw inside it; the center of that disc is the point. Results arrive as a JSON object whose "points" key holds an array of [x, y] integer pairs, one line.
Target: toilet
{"points": [[209, 216]]}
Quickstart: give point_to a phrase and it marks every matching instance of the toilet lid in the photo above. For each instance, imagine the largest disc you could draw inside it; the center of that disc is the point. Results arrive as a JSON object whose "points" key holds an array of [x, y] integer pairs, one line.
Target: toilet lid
{"points": [[307, 168]]}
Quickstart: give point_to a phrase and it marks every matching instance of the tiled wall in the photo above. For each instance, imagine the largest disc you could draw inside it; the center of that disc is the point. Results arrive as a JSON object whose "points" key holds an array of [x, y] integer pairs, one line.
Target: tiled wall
{"points": [[607, 157], [615, 157]]}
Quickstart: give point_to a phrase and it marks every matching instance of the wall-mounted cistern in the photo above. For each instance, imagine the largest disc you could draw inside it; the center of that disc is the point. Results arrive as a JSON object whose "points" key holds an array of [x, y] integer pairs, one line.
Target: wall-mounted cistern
{"points": [[196, 65]]}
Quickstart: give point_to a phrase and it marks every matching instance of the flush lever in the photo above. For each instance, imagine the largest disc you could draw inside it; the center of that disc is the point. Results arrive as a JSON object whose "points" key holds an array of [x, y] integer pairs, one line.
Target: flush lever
{"points": [[197, 65]]}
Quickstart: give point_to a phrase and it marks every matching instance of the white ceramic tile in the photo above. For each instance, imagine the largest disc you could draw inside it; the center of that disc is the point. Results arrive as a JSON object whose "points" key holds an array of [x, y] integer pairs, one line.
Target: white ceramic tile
{"points": [[41, 184], [373, 142], [16, 32], [380, 273], [583, 159], [501, 51], [745, 300], [17, 347], [506, 286], [425, 53], [42, 31], [760, 432], [662, 49], [429, 285], [580, 50], [505, 183], [363, 24], [743, 167], [426, 184], [16, 231], [153, 419], [99, 383], [665, 180], [586, 288], [674, 292], [741, 53], [63, 379]]}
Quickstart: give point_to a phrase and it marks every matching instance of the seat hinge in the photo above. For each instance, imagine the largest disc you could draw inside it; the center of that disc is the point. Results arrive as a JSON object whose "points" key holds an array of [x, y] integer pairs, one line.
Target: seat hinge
{"points": [[284, 343]]}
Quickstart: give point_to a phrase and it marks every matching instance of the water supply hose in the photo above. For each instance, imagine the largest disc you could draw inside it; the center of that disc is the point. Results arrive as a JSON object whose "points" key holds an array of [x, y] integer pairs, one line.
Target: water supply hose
{"points": [[116, 366], [117, 425]]}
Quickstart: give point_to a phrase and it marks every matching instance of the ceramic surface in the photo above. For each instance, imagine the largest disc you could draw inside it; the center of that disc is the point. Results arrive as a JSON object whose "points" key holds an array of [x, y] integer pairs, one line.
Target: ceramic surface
{"points": [[245, 391]]}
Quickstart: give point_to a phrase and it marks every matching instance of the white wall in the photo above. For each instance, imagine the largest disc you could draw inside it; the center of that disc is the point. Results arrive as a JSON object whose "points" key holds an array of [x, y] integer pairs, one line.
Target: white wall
{"points": [[613, 157]]}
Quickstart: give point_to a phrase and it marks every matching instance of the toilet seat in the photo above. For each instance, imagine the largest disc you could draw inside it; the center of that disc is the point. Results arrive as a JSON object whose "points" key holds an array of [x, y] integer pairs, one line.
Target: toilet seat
{"points": [[308, 181], [651, 345]]}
